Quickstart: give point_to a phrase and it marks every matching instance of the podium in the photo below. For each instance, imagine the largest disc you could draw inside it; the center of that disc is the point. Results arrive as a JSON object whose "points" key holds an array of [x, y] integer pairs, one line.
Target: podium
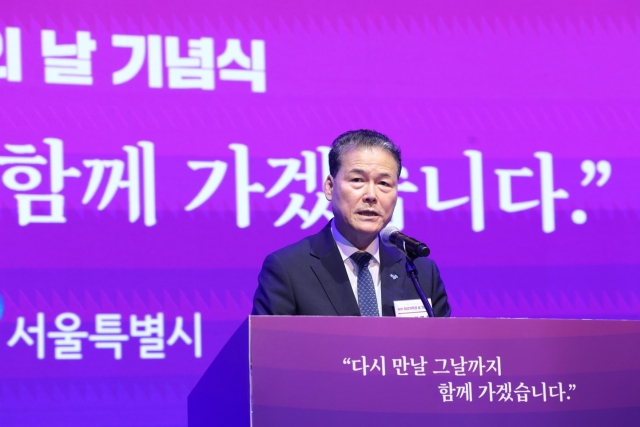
{"points": [[357, 371]]}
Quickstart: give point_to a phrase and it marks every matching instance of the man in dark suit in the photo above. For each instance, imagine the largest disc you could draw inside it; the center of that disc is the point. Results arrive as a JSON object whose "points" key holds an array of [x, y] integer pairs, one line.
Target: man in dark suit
{"points": [[344, 270]]}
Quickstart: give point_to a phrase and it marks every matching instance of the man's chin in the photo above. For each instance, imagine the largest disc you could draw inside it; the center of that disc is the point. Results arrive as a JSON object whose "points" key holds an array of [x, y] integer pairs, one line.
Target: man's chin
{"points": [[370, 227]]}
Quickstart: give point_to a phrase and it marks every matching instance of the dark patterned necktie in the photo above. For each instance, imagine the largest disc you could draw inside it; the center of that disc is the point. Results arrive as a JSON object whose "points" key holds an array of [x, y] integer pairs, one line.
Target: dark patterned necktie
{"points": [[367, 300]]}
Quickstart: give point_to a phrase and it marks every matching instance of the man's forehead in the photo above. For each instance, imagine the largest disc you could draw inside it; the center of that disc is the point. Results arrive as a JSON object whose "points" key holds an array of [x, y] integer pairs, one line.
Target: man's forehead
{"points": [[366, 159], [368, 155], [366, 171]]}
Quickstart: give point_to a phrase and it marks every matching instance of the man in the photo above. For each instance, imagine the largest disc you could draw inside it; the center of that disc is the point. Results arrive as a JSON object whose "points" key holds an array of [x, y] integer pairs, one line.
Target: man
{"points": [[344, 270]]}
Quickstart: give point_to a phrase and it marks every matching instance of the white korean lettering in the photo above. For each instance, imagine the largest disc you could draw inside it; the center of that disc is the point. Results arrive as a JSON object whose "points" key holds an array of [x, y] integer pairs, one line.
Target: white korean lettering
{"points": [[418, 366], [522, 391], [197, 334], [400, 366], [26, 214], [252, 69], [150, 330], [476, 196], [179, 333], [68, 339], [109, 333], [559, 392], [488, 390], [291, 172], [505, 189], [504, 392], [149, 47], [58, 173], [21, 335], [131, 184], [309, 218], [379, 365], [137, 44], [477, 189], [458, 368], [56, 165], [194, 71], [495, 365], [543, 394], [444, 369], [465, 392], [11, 49], [446, 391], [243, 188], [67, 63], [476, 365], [548, 193], [218, 170]]}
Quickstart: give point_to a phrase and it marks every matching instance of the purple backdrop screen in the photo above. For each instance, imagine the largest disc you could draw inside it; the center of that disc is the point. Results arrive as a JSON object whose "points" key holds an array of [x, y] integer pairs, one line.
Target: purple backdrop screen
{"points": [[153, 153]]}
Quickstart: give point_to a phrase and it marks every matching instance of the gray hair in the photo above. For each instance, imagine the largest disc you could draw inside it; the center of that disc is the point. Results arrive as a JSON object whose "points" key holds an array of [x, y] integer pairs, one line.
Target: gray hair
{"points": [[362, 138]]}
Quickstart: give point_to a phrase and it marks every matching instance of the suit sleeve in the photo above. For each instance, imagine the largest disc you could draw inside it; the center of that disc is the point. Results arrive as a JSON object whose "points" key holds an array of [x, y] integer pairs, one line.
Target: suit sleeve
{"points": [[274, 295], [439, 299]]}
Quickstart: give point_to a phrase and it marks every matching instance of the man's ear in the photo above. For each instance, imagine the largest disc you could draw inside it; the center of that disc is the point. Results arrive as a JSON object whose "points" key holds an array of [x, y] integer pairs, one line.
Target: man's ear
{"points": [[328, 187]]}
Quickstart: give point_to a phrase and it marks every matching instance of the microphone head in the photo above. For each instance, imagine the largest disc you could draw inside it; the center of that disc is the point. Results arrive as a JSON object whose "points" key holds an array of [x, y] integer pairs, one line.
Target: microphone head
{"points": [[386, 233]]}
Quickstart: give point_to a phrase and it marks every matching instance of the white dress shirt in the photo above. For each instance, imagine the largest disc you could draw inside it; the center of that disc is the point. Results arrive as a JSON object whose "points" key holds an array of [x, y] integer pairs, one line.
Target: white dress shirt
{"points": [[346, 250]]}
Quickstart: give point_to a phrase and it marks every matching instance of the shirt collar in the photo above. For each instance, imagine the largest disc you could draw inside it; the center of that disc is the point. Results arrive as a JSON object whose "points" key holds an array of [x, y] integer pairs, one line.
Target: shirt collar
{"points": [[347, 249]]}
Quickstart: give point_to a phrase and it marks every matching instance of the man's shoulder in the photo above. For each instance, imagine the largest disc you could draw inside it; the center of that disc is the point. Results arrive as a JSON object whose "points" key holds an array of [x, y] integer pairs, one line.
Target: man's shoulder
{"points": [[427, 267], [425, 262], [302, 247], [396, 254]]}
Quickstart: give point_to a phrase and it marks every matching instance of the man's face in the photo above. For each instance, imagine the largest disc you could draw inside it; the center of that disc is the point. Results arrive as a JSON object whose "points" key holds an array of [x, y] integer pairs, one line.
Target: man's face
{"points": [[363, 194]]}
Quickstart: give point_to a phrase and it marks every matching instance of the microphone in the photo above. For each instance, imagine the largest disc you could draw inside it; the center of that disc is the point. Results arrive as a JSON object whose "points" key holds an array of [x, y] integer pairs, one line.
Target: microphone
{"points": [[391, 236]]}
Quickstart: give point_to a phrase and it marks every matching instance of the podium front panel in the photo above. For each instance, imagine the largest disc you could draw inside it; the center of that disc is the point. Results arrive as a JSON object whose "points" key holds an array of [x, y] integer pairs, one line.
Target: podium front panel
{"points": [[355, 371]]}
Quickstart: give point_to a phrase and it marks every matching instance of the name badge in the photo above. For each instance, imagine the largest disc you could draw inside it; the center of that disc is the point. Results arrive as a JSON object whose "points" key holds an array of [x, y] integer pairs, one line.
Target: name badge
{"points": [[410, 308]]}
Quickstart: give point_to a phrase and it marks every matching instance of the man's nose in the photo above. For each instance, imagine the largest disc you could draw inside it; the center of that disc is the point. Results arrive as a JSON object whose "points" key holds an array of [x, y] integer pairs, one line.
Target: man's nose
{"points": [[370, 193]]}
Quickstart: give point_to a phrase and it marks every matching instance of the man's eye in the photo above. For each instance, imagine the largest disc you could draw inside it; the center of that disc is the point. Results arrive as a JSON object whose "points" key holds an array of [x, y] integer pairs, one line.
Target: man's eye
{"points": [[356, 180], [385, 183]]}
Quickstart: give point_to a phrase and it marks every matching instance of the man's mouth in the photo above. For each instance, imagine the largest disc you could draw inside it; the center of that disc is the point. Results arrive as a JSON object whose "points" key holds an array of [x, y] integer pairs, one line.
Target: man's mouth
{"points": [[368, 213]]}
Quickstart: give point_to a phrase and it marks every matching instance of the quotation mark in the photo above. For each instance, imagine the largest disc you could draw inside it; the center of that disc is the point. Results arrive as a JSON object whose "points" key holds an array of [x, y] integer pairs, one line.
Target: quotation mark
{"points": [[589, 167], [572, 387]]}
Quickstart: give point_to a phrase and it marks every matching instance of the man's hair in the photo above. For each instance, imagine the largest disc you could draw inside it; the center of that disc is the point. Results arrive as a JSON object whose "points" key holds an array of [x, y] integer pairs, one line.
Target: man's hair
{"points": [[363, 138]]}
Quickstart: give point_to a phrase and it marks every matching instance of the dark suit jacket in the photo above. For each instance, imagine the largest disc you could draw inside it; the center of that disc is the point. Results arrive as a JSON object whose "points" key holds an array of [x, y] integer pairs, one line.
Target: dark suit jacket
{"points": [[309, 278]]}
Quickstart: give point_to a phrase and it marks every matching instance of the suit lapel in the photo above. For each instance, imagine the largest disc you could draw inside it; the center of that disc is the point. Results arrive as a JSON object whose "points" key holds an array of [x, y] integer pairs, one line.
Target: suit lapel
{"points": [[392, 278], [330, 270]]}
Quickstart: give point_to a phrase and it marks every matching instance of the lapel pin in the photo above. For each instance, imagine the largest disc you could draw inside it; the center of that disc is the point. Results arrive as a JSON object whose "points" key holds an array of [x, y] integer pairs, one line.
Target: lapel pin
{"points": [[394, 276]]}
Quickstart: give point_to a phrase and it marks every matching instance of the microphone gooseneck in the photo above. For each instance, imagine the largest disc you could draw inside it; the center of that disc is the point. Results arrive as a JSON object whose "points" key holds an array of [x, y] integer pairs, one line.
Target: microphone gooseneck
{"points": [[413, 249]]}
